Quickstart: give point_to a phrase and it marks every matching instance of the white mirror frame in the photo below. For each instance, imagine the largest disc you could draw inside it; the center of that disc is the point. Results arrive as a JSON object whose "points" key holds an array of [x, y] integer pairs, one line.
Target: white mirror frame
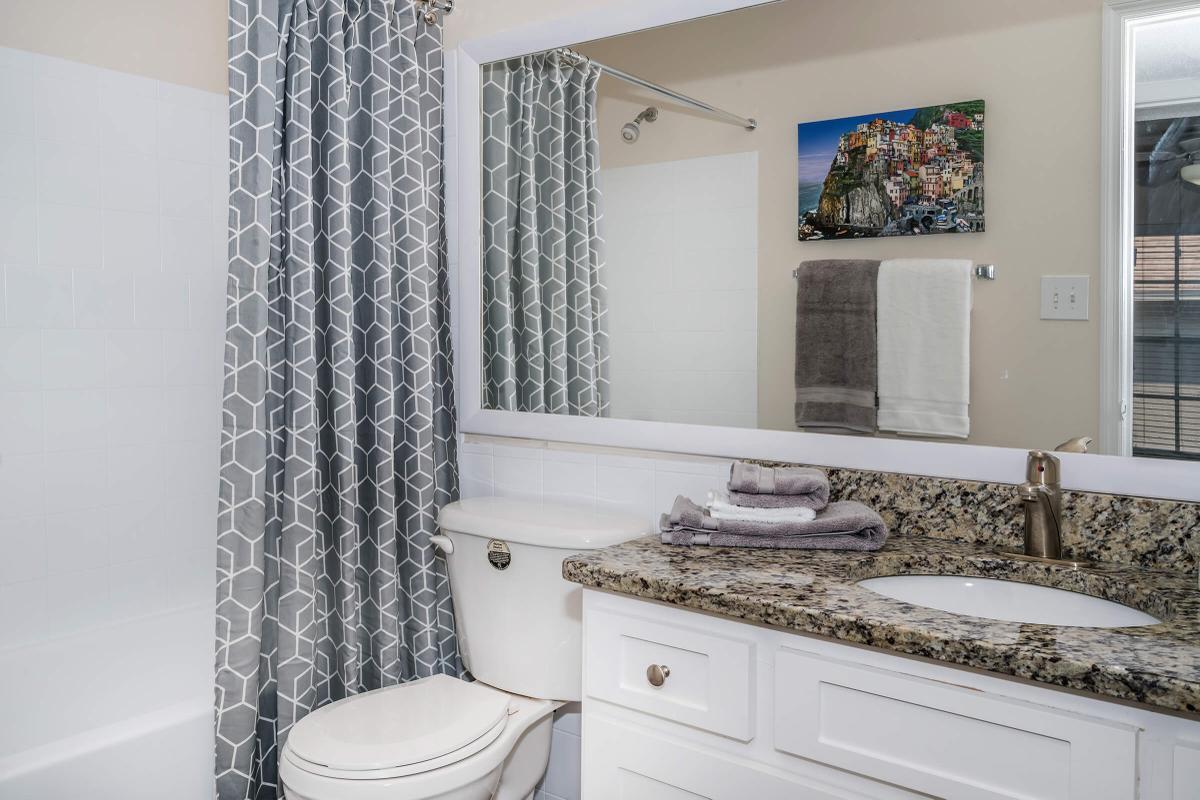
{"points": [[1111, 474]]}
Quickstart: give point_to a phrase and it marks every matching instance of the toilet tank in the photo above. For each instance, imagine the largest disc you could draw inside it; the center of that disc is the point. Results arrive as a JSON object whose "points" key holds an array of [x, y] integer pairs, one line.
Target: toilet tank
{"points": [[518, 621]]}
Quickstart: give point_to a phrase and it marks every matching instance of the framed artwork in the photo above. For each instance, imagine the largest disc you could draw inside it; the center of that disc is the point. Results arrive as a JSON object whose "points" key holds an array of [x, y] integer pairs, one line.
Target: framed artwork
{"points": [[912, 172]]}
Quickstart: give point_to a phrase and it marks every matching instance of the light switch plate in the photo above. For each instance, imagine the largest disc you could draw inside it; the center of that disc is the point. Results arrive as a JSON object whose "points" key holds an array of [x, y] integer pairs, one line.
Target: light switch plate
{"points": [[1065, 296]]}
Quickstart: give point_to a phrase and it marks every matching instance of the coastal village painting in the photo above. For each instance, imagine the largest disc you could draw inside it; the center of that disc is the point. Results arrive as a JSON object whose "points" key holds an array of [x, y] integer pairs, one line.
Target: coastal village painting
{"points": [[904, 173]]}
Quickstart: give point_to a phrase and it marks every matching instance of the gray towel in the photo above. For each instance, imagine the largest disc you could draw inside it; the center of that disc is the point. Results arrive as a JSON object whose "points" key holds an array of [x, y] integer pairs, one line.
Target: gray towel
{"points": [[836, 346], [777, 487], [816, 501], [846, 525]]}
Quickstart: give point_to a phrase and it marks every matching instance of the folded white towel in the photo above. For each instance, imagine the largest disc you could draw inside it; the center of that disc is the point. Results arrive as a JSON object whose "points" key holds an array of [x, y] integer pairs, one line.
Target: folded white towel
{"points": [[719, 507], [924, 333]]}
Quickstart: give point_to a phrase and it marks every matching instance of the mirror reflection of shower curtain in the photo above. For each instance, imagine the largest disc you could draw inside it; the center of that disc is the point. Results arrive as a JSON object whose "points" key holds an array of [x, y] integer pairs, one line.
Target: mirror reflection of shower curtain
{"points": [[545, 307]]}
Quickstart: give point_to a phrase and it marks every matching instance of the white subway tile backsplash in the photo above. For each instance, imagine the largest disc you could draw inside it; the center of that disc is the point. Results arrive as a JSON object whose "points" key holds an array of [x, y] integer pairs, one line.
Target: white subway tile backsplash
{"points": [[517, 477], [37, 298], [569, 477], [69, 236], [474, 474]]}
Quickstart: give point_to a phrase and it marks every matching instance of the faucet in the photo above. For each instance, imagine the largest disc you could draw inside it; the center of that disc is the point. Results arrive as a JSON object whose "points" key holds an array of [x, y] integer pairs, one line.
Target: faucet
{"points": [[1042, 495]]}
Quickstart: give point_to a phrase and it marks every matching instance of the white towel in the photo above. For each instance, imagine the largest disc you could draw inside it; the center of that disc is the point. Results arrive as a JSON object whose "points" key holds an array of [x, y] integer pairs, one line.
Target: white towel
{"points": [[924, 331], [719, 507]]}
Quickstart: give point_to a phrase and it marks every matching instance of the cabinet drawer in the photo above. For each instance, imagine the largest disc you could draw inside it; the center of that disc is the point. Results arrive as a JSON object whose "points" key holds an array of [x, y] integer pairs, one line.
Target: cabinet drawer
{"points": [[623, 762], [711, 680], [947, 740]]}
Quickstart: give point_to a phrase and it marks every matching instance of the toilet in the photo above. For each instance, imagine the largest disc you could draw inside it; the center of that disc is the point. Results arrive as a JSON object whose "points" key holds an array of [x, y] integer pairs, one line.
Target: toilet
{"points": [[519, 633]]}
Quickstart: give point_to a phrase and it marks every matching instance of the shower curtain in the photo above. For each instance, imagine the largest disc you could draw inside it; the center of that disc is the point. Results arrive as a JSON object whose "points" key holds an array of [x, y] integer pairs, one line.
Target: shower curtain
{"points": [[545, 309], [338, 442]]}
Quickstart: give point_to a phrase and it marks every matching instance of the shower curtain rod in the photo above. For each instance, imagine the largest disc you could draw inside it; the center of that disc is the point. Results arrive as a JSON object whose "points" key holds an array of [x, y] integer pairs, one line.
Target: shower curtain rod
{"points": [[746, 122]]}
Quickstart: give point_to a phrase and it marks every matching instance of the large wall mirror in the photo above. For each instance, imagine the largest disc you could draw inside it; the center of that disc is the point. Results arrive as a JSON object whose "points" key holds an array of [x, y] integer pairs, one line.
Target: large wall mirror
{"points": [[795, 217]]}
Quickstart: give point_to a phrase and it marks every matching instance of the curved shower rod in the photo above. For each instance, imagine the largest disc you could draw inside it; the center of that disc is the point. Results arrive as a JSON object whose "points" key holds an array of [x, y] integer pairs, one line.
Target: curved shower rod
{"points": [[749, 123]]}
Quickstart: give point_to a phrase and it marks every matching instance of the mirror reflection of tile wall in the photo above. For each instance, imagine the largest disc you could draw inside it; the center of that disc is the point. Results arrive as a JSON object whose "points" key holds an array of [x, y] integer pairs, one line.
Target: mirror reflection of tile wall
{"points": [[682, 288]]}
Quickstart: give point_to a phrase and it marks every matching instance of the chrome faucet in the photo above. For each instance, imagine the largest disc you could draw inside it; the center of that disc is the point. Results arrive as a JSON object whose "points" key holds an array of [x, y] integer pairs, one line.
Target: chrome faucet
{"points": [[1042, 495]]}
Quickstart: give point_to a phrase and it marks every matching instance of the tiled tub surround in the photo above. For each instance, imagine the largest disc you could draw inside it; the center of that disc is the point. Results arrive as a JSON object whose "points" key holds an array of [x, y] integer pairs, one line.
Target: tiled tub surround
{"points": [[112, 252]]}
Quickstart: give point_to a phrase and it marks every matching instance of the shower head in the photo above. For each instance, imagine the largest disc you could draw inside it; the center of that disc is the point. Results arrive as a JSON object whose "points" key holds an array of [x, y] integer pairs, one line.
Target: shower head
{"points": [[630, 131]]}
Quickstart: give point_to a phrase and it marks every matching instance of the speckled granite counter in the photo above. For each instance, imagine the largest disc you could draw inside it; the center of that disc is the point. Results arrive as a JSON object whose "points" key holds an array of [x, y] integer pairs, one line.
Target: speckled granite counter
{"points": [[815, 592]]}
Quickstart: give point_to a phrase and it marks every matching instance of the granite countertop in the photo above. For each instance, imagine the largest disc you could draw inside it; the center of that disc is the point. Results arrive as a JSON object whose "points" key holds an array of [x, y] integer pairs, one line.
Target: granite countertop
{"points": [[815, 592]]}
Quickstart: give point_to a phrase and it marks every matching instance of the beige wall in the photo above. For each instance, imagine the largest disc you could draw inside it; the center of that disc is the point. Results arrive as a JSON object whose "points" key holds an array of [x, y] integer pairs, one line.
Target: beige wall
{"points": [[1037, 65], [179, 41]]}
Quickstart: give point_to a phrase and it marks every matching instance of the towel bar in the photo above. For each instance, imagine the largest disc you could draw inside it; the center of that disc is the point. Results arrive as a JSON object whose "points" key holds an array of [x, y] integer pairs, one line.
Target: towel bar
{"points": [[984, 272]]}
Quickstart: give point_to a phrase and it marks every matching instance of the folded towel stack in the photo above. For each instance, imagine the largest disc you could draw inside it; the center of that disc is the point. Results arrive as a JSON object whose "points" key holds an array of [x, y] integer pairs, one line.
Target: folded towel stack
{"points": [[774, 507]]}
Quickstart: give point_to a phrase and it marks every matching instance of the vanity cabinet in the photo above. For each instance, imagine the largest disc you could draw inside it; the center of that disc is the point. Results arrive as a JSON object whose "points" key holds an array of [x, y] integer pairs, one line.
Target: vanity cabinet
{"points": [[683, 704]]}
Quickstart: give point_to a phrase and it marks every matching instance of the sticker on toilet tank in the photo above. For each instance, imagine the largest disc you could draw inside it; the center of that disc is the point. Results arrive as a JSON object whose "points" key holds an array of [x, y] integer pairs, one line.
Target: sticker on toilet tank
{"points": [[498, 555]]}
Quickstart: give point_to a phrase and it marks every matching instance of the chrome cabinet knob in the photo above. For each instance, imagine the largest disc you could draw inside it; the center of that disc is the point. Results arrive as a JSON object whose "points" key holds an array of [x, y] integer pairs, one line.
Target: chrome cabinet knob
{"points": [[657, 674]]}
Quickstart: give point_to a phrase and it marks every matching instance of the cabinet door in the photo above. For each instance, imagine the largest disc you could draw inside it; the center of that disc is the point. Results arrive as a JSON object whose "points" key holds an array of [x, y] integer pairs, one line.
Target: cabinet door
{"points": [[622, 761], [946, 740]]}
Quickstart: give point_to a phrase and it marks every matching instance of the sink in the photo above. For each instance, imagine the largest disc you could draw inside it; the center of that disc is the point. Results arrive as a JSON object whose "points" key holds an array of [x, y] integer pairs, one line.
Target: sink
{"points": [[1008, 601]]}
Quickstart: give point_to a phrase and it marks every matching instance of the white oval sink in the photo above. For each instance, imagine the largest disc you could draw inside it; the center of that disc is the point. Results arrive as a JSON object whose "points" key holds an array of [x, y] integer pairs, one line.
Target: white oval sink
{"points": [[1008, 601]]}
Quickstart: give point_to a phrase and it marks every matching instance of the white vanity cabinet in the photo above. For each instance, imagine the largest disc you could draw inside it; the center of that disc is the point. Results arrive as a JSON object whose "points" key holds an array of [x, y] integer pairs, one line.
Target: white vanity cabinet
{"points": [[682, 704]]}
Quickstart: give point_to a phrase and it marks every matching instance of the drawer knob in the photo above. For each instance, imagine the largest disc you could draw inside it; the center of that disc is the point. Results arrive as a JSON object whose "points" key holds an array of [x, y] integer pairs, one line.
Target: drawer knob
{"points": [[657, 674]]}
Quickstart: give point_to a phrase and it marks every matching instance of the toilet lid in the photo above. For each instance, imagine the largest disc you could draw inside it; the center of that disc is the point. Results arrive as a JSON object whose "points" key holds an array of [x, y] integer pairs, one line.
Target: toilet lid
{"points": [[400, 725]]}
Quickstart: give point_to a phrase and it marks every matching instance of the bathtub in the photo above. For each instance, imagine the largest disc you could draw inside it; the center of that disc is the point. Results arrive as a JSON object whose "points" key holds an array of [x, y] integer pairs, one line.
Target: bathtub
{"points": [[122, 712]]}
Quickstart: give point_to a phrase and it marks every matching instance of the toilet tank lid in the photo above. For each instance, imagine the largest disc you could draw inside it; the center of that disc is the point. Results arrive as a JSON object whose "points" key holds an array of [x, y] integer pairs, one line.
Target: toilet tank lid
{"points": [[562, 526]]}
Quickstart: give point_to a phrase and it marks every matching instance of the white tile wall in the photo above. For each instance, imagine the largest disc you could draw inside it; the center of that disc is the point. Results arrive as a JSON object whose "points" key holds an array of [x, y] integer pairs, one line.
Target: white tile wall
{"points": [[641, 483], [682, 239], [112, 243]]}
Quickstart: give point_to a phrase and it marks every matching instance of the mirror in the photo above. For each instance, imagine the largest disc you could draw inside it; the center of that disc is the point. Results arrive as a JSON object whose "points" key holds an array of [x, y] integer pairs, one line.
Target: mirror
{"points": [[798, 216]]}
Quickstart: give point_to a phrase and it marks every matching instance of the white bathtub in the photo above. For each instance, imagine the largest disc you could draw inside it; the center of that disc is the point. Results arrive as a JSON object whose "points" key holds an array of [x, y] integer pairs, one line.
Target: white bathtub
{"points": [[122, 712]]}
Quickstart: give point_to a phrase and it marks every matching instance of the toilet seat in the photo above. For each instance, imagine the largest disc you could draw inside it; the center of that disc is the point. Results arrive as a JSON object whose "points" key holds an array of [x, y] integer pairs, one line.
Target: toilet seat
{"points": [[399, 731]]}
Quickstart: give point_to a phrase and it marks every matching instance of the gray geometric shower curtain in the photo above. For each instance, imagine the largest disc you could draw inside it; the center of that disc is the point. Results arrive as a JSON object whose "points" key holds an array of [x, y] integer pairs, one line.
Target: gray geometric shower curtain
{"points": [[338, 444], [545, 306]]}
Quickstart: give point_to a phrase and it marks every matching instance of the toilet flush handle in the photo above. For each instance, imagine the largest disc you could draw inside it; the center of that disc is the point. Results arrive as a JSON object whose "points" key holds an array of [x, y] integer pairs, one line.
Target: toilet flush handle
{"points": [[442, 543]]}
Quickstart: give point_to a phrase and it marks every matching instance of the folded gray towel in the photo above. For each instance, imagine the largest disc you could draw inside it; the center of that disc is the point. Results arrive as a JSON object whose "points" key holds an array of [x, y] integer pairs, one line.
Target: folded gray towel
{"points": [[846, 525], [837, 352], [799, 487], [816, 501]]}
